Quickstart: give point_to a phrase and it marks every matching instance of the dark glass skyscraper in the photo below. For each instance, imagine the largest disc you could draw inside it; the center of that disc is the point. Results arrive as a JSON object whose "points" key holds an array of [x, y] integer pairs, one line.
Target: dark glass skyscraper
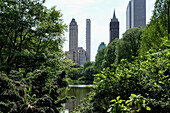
{"points": [[114, 28]]}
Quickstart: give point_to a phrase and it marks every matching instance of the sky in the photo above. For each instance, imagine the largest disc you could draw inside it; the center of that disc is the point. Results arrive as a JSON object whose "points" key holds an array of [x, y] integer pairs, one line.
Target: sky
{"points": [[100, 12]]}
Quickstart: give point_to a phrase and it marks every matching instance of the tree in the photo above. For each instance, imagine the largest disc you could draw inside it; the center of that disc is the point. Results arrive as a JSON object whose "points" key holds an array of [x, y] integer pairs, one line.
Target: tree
{"points": [[30, 57], [122, 51], [29, 33], [99, 59], [156, 29], [88, 71], [110, 56], [146, 76]]}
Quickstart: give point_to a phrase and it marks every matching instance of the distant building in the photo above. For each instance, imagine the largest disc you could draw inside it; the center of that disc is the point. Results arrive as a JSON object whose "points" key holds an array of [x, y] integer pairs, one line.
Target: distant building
{"points": [[102, 45], [81, 56], [88, 38], [114, 28], [128, 16], [73, 40], [136, 14], [78, 54]]}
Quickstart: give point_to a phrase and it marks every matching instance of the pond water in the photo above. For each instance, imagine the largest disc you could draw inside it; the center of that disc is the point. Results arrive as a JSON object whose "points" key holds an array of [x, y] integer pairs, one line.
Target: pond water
{"points": [[79, 92]]}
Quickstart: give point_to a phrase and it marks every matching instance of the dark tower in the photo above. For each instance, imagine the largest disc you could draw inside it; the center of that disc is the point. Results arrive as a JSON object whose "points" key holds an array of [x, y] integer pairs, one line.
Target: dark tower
{"points": [[114, 28]]}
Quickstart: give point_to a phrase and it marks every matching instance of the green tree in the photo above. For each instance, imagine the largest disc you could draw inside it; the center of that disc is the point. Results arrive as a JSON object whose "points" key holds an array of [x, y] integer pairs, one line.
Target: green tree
{"points": [[99, 59], [156, 29], [133, 39], [129, 45], [30, 57], [29, 34], [147, 76], [110, 55], [88, 71]]}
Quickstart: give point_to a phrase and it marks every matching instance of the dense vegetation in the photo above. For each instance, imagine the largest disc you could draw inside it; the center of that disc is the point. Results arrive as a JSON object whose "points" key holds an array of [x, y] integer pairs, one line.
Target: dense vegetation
{"points": [[30, 57], [134, 71], [81, 74]]}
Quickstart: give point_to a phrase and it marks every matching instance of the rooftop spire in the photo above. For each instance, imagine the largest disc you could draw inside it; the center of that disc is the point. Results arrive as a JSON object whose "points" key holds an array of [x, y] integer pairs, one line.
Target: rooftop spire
{"points": [[114, 15]]}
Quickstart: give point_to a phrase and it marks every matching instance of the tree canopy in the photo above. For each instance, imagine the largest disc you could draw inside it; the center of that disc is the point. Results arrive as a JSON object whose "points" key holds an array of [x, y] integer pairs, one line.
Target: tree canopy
{"points": [[29, 32], [154, 32], [31, 38]]}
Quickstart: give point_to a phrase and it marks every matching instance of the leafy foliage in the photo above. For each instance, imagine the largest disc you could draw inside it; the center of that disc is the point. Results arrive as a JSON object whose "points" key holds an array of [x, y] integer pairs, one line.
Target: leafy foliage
{"points": [[88, 72], [29, 33], [118, 49], [156, 29], [30, 57], [135, 104], [36, 93], [147, 76]]}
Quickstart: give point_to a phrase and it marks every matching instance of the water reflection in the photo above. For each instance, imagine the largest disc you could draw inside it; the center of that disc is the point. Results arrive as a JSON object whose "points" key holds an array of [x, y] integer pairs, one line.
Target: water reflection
{"points": [[79, 91]]}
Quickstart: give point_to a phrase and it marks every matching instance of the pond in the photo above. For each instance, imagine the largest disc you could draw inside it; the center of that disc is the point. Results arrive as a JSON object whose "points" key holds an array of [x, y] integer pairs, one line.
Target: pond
{"points": [[79, 92]]}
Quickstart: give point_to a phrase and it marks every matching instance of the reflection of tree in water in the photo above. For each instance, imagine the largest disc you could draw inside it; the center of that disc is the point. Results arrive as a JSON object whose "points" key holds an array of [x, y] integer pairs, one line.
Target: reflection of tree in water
{"points": [[79, 93]]}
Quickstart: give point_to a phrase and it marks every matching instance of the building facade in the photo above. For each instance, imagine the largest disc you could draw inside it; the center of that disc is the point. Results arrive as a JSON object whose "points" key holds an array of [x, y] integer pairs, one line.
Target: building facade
{"points": [[114, 28], [81, 56], [73, 40], [102, 45], [128, 16], [88, 39], [136, 13]]}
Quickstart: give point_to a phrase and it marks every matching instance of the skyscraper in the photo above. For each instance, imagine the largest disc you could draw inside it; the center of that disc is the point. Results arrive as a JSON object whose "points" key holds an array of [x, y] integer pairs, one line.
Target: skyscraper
{"points": [[73, 40], [128, 16], [114, 28], [88, 38], [136, 14]]}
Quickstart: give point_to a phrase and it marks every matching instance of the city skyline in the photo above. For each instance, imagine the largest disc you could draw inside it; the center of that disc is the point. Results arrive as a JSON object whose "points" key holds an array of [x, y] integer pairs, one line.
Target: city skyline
{"points": [[100, 13]]}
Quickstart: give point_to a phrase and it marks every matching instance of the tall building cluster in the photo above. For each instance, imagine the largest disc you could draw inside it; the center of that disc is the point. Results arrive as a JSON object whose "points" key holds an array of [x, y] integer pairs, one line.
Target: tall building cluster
{"points": [[78, 54], [135, 17]]}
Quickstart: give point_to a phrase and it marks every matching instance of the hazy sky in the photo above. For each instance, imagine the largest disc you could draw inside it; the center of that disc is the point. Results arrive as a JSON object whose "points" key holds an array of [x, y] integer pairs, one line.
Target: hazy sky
{"points": [[100, 12]]}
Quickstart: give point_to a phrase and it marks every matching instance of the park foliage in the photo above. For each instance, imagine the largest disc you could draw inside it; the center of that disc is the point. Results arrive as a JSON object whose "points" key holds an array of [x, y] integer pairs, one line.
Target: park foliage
{"points": [[130, 75], [31, 74]]}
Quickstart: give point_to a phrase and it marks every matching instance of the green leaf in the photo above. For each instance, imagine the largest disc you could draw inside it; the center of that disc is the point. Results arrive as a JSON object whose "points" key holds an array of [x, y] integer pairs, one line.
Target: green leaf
{"points": [[127, 101], [118, 98], [114, 100], [148, 108]]}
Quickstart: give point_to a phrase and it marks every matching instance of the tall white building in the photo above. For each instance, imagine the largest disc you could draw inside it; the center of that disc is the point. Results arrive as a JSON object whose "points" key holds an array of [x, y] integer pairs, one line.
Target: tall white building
{"points": [[73, 40], [136, 14], [88, 39]]}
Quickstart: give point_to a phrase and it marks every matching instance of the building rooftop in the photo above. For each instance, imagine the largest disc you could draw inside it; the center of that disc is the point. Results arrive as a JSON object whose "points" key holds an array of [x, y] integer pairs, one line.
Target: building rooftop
{"points": [[73, 20], [114, 17]]}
